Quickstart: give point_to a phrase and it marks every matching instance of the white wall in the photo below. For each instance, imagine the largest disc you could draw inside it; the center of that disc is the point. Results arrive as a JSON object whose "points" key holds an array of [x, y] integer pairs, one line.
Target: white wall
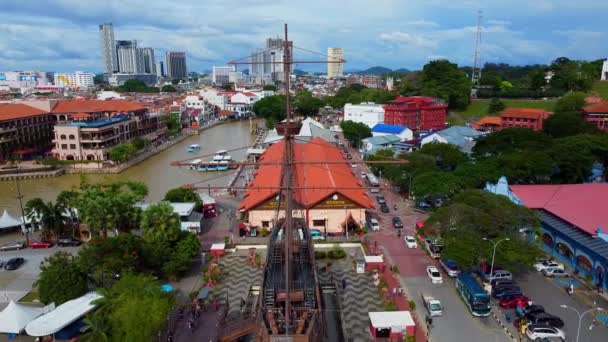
{"points": [[367, 113], [433, 137], [194, 101]]}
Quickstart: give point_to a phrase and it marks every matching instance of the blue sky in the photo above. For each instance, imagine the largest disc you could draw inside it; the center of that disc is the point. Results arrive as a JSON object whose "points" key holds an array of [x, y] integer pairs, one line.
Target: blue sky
{"points": [[62, 35]]}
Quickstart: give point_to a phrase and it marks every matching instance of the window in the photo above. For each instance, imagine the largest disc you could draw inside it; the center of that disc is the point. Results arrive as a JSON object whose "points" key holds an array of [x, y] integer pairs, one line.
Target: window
{"points": [[72, 137], [64, 146], [73, 146], [265, 224], [318, 223], [62, 136]]}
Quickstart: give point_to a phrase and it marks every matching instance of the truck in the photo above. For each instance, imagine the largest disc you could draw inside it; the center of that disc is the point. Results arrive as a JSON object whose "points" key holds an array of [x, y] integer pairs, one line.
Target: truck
{"points": [[432, 305]]}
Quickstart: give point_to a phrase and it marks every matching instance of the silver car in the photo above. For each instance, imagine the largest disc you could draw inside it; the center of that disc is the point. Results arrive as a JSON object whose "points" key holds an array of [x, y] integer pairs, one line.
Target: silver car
{"points": [[555, 272], [11, 246]]}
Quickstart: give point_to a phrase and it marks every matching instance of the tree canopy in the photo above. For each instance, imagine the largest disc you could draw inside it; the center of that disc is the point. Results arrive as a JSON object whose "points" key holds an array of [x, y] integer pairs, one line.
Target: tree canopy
{"points": [[61, 279], [354, 132], [136, 86], [160, 224], [306, 104], [446, 156], [168, 89], [271, 108], [496, 106], [122, 152], [444, 80], [182, 195]]}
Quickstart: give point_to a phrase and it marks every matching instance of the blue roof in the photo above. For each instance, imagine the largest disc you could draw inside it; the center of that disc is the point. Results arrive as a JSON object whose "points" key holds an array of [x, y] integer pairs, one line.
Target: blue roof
{"points": [[95, 124], [390, 129]]}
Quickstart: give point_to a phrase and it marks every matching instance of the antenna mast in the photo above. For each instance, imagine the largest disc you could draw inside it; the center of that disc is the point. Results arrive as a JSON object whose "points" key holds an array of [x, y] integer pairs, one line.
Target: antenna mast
{"points": [[476, 74]]}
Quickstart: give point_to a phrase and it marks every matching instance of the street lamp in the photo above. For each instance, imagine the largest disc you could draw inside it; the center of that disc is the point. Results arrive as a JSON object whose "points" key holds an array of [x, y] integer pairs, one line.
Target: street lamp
{"points": [[580, 316], [493, 255]]}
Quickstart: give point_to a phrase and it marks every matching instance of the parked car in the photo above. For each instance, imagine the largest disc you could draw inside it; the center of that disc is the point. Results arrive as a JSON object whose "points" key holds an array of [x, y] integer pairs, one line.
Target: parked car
{"points": [[503, 283], [410, 242], [505, 291], [374, 225], [545, 319], [363, 174], [380, 199], [498, 274], [397, 222], [316, 234], [548, 264], [555, 273], [538, 332], [434, 275], [384, 208], [423, 205], [1, 263], [511, 301], [14, 264], [39, 244], [15, 245], [532, 309], [450, 267], [68, 242]]}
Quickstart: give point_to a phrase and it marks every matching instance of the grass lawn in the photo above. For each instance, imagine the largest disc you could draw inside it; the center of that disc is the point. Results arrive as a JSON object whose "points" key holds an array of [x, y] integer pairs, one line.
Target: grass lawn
{"points": [[601, 88], [479, 108], [31, 297]]}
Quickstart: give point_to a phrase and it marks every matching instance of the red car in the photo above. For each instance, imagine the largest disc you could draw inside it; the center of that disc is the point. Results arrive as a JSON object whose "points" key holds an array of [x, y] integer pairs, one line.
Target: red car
{"points": [[39, 244], [510, 302]]}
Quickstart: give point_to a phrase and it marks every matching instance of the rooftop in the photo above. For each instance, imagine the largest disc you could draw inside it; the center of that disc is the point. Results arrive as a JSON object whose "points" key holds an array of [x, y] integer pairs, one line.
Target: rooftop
{"points": [[95, 124], [95, 106], [582, 205], [600, 107], [524, 113], [390, 129], [12, 111], [488, 120]]}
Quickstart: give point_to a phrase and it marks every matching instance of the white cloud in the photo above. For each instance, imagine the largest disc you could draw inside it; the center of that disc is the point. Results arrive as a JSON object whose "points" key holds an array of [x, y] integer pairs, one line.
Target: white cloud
{"points": [[414, 40]]}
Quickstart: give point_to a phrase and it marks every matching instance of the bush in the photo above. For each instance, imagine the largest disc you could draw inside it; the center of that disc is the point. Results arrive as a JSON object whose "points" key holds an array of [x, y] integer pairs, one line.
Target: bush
{"points": [[265, 232], [410, 338], [320, 255], [412, 305], [336, 253]]}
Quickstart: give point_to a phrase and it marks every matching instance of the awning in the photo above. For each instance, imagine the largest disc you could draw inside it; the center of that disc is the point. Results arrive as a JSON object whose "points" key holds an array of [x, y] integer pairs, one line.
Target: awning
{"points": [[203, 293], [391, 319], [7, 221], [15, 316], [62, 316]]}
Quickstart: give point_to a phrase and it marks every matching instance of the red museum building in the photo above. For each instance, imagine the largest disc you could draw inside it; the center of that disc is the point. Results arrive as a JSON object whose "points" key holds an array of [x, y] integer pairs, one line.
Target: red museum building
{"points": [[416, 112]]}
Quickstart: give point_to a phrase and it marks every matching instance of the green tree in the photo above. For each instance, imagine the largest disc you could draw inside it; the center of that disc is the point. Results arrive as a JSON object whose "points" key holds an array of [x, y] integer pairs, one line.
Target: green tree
{"points": [[443, 79], [510, 140], [122, 152], [354, 132], [175, 81], [574, 156], [570, 102], [271, 108], [168, 89], [173, 123], [496, 106], [475, 174], [136, 86], [61, 279], [526, 167], [182, 194], [180, 262], [139, 143], [444, 183], [98, 329], [48, 215], [270, 87], [537, 79], [565, 124], [69, 199], [306, 104], [491, 78], [160, 223], [505, 86], [447, 156]]}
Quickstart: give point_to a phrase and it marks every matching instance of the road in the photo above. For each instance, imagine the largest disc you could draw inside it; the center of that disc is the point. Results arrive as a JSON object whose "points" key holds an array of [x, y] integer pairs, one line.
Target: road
{"points": [[457, 324]]}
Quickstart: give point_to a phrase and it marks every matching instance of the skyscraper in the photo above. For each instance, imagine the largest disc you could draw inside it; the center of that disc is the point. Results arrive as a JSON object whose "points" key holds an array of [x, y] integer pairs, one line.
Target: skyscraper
{"points": [[130, 58], [269, 60], [108, 48], [160, 69], [335, 69], [176, 65], [149, 63]]}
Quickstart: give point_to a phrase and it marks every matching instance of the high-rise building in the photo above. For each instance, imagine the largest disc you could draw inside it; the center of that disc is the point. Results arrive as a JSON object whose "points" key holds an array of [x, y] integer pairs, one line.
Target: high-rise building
{"points": [[108, 48], [221, 74], [126, 55], [268, 62], [160, 69], [335, 69], [176, 65], [149, 64], [74, 79]]}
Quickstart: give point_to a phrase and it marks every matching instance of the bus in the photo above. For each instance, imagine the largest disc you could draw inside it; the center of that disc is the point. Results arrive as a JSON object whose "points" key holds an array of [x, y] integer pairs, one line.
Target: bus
{"points": [[473, 295], [373, 182]]}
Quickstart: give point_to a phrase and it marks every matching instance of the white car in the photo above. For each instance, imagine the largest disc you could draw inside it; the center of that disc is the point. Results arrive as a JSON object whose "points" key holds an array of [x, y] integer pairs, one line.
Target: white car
{"points": [[548, 264], [538, 332], [363, 174], [434, 275], [410, 241], [554, 272]]}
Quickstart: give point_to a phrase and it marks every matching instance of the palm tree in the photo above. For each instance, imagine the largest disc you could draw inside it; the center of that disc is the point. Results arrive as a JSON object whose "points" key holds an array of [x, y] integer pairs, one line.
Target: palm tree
{"points": [[99, 329], [48, 215], [69, 199]]}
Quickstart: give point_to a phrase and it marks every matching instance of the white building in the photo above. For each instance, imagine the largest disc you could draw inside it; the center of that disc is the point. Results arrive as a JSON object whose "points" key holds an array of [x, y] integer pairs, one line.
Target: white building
{"points": [[215, 97], [335, 70], [368, 113], [235, 76], [131, 59], [23, 79], [108, 48], [604, 76], [221, 74], [194, 101], [108, 94], [76, 79], [246, 98]]}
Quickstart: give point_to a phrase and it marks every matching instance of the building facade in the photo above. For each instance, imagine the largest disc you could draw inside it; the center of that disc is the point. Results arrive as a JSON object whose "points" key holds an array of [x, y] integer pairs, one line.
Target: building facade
{"points": [[74, 79], [24, 80], [367, 113], [604, 75], [334, 69], [523, 117], [221, 74], [130, 57], [416, 112], [160, 69], [149, 63], [108, 48], [597, 114], [118, 79], [24, 131], [175, 63]]}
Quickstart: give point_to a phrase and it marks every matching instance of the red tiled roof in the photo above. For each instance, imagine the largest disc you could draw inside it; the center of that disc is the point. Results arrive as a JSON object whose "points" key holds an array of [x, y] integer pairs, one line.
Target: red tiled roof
{"points": [[525, 113], [601, 107], [249, 94], [12, 111], [332, 178], [94, 106], [81, 116], [583, 205], [488, 120]]}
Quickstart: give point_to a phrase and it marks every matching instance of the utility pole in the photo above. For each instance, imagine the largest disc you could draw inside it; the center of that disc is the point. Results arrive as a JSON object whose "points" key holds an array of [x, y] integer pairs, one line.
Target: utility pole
{"points": [[24, 228]]}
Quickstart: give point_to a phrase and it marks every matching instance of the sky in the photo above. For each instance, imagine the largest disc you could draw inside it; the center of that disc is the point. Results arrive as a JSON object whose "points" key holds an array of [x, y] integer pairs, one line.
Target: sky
{"points": [[63, 35]]}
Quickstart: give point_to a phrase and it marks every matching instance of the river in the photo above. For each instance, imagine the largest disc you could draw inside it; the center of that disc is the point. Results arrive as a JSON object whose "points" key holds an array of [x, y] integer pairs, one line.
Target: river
{"points": [[155, 171]]}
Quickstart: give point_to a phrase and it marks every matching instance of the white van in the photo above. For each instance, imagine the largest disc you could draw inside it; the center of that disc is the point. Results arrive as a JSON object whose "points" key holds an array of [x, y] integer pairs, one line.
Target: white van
{"points": [[374, 225]]}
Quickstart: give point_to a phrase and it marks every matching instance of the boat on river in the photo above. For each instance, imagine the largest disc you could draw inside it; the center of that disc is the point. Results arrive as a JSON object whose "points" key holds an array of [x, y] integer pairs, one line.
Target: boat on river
{"points": [[193, 148]]}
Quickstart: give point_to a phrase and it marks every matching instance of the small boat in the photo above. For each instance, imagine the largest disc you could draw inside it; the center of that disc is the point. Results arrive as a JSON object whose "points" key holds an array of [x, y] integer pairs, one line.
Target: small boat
{"points": [[194, 164], [193, 148], [223, 165], [212, 166]]}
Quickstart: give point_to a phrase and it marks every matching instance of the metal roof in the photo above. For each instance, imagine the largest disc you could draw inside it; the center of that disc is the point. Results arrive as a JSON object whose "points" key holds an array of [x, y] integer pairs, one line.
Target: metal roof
{"points": [[597, 245], [391, 129]]}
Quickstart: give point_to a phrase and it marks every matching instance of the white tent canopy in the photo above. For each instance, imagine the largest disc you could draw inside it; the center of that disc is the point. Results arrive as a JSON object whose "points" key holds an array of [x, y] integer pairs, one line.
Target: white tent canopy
{"points": [[62, 316], [7, 221], [15, 316]]}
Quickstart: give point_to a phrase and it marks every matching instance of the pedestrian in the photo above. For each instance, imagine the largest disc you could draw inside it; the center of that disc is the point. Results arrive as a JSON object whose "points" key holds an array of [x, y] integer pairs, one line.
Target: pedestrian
{"points": [[394, 293], [400, 292], [343, 283], [169, 336], [180, 314], [571, 289], [216, 304], [190, 327]]}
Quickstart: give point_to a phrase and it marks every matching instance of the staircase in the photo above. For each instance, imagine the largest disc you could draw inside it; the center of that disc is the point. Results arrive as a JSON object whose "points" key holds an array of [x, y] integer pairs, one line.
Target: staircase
{"points": [[269, 298]]}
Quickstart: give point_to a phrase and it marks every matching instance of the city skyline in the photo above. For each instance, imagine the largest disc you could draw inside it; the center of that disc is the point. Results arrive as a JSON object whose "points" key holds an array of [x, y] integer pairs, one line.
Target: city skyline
{"points": [[63, 35]]}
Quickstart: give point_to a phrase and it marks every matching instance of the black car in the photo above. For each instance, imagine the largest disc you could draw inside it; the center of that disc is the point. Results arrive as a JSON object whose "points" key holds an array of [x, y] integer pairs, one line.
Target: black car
{"points": [[505, 291], [544, 318], [68, 242], [384, 208], [533, 309], [496, 283], [381, 199], [14, 264], [397, 222]]}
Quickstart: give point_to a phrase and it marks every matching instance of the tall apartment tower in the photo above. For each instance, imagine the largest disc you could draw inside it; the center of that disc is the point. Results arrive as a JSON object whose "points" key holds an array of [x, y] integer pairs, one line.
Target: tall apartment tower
{"points": [[108, 48], [149, 63], [160, 69], [176, 65], [335, 69], [130, 58]]}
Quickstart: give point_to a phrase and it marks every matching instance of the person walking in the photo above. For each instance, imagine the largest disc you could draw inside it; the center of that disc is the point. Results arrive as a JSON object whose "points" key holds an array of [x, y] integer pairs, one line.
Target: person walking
{"points": [[394, 293]]}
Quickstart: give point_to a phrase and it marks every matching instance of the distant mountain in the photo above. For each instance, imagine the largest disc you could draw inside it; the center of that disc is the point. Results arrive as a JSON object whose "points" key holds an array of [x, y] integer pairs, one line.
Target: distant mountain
{"points": [[402, 70], [299, 72], [377, 70]]}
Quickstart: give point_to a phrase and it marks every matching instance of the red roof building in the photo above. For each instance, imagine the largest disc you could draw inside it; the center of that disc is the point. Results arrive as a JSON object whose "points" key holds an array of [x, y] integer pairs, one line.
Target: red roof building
{"points": [[524, 117], [597, 114], [24, 128], [416, 112], [328, 196], [487, 124]]}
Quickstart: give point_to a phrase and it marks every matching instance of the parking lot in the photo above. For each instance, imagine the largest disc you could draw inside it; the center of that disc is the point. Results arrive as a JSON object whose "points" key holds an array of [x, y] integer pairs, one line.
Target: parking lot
{"points": [[15, 284]]}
